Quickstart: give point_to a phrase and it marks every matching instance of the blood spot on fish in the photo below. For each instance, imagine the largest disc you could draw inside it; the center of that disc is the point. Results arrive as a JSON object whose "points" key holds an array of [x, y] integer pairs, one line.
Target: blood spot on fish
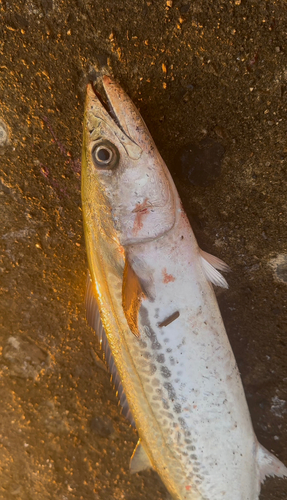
{"points": [[188, 487], [141, 210], [167, 278]]}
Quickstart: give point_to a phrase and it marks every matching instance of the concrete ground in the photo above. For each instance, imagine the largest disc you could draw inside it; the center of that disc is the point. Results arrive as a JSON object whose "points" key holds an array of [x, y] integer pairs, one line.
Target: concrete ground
{"points": [[210, 79]]}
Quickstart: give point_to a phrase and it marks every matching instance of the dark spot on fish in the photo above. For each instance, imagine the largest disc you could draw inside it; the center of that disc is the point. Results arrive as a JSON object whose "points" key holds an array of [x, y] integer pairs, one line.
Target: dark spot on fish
{"points": [[148, 329], [177, 408], [172, 361], [160, 358], [146, 355], [152, 369], [156, 398], [168, 415], [166, 373], [165, 404], [182, 423], [148, 389], [156, 345], [168, 349], [156, 406], [198, 479], [170, 390], [155, 382]]}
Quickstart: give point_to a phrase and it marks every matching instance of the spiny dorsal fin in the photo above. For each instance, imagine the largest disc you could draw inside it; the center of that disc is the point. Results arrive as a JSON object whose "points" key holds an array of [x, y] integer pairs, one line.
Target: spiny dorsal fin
{"points": [[139, 460], [210, 264], [269, 465], [132, 294], [94, 320]]}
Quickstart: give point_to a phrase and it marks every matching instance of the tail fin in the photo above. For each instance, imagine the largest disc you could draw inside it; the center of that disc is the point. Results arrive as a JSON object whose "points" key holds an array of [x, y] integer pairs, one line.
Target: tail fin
{"points": [[269, 465]]}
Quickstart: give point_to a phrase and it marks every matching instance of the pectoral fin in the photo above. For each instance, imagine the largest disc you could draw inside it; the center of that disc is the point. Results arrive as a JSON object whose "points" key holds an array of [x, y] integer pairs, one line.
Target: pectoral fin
{"points": [[139, 460], [210, 264], [132, 294]]}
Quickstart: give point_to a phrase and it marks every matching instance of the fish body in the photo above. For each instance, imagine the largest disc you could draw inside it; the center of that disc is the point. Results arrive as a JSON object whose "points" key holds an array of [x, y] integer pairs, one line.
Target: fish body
{"points": [[167, 344]]}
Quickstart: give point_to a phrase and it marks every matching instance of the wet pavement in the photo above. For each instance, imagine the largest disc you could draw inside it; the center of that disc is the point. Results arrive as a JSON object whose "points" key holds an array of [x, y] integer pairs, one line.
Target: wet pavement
{"points": [[207, 77]]}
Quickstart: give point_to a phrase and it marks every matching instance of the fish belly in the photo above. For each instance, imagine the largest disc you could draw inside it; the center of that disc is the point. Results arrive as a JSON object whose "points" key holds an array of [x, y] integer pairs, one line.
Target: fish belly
{"points": [[195, 424]]}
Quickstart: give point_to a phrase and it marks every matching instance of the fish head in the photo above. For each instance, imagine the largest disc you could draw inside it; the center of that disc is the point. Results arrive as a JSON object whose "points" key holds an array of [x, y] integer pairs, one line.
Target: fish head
{"points": [[122, 170]]}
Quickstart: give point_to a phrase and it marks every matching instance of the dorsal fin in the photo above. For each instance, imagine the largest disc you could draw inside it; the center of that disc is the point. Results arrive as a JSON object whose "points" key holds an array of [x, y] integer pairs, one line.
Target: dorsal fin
{"points": [[94, 320], [269, 465], [132, 294], [210, 264]]}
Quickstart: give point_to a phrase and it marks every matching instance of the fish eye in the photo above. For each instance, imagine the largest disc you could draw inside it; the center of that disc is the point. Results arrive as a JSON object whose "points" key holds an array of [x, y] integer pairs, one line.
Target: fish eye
{"points": [[105, 155]]}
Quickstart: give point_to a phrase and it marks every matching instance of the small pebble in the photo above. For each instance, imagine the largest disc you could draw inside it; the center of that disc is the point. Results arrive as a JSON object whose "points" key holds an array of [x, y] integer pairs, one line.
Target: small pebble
{"points": [[279, 267], [4, 136]]}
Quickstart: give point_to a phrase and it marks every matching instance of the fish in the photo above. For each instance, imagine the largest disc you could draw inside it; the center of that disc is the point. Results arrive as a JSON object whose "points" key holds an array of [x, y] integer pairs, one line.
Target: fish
{"points": [[151, 301]]}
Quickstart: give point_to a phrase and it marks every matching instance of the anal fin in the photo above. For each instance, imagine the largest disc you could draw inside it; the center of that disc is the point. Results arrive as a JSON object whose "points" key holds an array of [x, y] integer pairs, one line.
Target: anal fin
{"points": [[139, 461]]}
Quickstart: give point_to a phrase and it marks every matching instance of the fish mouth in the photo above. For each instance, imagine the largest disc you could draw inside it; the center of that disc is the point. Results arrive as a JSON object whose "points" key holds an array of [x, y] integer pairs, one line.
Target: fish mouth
{"points": [[110, 100], [105, 101]]}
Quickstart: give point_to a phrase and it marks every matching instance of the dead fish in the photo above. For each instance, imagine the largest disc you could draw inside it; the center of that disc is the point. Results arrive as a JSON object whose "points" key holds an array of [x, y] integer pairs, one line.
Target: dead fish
{"points": [[151, 302]]}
